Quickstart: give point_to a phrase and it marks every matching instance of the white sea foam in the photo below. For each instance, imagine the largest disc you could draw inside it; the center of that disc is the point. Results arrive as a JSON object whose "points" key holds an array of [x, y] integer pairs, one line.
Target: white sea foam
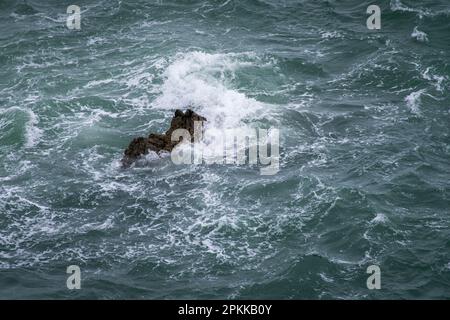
{"points": [[95, 40], [379, 219], [23, 167], [325, 278], [435, 79], [136, 76], [102, 225], [413, 101], [202, 80], [331, 35], [397, 5], [97, 83], [32, 134], [419, 35]]}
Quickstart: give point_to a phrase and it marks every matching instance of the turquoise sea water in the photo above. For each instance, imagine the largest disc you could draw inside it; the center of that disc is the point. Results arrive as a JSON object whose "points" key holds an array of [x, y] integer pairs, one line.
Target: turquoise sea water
{"points": [[364, 124]]}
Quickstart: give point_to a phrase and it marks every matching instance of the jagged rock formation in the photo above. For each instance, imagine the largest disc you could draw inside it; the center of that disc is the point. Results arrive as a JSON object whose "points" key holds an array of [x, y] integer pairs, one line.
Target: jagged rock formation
{"points": [[161, 142]]}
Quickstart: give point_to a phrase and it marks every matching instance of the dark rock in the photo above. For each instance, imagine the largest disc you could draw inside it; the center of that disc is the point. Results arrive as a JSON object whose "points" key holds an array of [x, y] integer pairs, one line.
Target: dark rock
{"points": [[161, 142]]}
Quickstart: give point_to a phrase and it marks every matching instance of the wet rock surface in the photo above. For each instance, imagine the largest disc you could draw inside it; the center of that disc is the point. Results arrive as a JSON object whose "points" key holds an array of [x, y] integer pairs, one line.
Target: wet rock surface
{"points": [[161, 142]]}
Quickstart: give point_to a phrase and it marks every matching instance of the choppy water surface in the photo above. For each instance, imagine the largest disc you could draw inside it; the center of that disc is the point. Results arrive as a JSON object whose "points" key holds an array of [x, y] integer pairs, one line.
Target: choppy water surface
{"points": [[365, 149]]}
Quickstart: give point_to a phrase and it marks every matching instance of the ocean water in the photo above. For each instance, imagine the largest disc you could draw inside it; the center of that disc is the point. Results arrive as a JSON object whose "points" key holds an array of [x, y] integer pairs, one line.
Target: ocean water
{"points": [[364, 120]]}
